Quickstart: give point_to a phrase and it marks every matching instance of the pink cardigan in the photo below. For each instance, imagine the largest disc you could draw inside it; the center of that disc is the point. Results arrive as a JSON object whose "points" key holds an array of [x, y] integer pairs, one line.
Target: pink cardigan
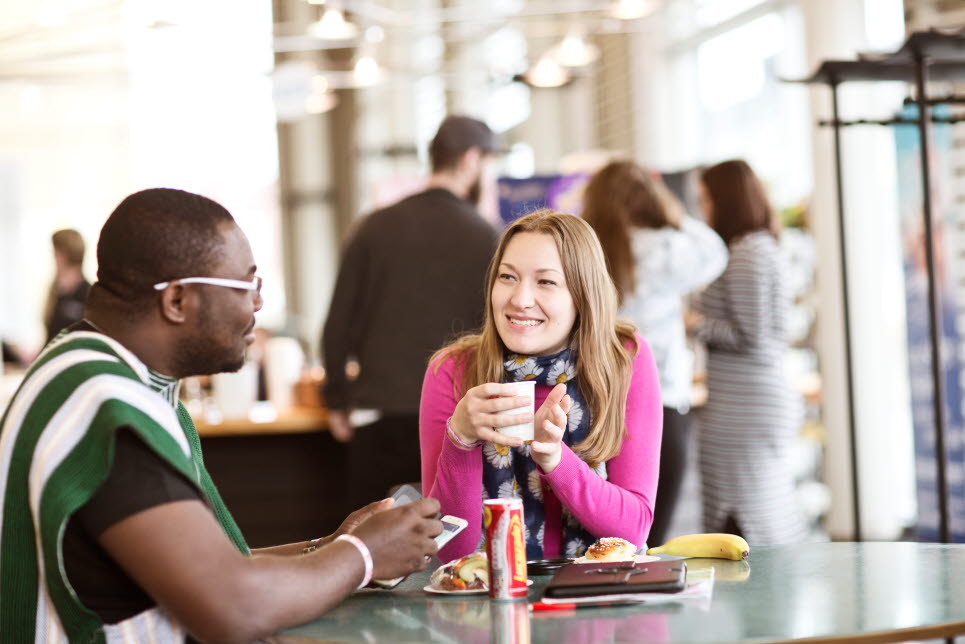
{"points": [[621, 506]]}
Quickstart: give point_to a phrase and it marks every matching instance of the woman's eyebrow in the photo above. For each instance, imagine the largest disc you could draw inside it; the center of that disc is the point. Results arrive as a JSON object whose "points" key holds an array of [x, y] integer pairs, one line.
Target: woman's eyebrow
{"points": [[538, 270]]}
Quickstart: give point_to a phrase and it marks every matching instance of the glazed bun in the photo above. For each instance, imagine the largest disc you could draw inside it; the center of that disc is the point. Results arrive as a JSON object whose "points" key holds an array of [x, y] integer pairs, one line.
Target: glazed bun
{"points": [[611, 549]]}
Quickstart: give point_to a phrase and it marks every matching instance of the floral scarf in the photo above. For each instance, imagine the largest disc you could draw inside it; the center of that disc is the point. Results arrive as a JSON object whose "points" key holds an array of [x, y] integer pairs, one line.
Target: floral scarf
{"points": [[510, 472]]}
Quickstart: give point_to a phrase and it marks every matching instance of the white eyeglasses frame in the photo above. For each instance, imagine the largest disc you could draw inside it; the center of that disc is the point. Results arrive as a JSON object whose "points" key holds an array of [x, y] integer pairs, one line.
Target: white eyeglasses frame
{"points": [[253, 285]]}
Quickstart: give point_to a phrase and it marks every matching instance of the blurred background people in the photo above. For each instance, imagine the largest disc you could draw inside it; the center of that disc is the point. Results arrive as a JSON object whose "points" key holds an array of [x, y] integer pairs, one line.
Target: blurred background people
{"points": [[656, 254], [591, 471], [411, 278], [68, 292], [13, 355], [751, 415]]}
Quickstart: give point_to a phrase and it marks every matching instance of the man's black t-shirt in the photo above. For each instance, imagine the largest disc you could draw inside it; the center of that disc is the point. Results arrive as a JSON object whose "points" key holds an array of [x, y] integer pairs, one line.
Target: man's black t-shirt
{"points": [[138, 480]]}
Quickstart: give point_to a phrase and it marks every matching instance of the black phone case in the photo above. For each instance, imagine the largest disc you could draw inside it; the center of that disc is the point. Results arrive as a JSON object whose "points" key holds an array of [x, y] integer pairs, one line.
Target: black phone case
{"points": [[612, 578]]}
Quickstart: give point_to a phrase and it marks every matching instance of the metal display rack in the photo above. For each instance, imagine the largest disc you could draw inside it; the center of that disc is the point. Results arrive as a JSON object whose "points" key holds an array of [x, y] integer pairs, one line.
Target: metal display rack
{"points": [[925, 57]]}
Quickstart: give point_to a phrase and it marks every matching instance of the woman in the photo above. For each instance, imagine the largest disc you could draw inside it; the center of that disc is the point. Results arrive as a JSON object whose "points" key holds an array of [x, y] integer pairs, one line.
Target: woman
{"points": [[591, 471], [68, 292], [751, 414], [656, 254]]}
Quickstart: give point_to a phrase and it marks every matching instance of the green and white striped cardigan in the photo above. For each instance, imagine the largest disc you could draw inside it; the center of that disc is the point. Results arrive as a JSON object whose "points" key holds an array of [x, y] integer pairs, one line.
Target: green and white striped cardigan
{"points": [[56, 448]]}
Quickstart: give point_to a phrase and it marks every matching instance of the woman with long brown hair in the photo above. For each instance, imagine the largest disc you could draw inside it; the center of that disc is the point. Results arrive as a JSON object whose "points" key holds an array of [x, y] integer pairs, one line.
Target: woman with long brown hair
{"points": [[591, 470], [751, 414], [656, 254], [68, 291]]}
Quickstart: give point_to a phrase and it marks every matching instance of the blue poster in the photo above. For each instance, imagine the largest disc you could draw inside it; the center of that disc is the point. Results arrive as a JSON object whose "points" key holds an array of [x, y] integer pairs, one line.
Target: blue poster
{"points": [[908, 151], [518, 197]]}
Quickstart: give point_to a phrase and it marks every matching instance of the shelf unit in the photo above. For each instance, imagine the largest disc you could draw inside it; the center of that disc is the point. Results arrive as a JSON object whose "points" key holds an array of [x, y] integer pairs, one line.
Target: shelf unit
{"points": [[925, 57]]}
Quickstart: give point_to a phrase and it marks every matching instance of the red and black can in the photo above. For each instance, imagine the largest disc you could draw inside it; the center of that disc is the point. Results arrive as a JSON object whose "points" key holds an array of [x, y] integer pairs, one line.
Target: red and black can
{"points": [[505, 547]]}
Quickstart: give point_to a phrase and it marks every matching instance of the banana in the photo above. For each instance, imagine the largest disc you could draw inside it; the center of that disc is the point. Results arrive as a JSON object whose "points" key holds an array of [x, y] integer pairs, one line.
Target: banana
{"points": [[715, 545], [732, 571]]}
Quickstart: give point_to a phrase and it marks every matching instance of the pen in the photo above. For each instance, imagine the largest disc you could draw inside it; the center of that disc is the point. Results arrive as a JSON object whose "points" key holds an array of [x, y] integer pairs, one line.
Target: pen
{"points": [[540, 606]]}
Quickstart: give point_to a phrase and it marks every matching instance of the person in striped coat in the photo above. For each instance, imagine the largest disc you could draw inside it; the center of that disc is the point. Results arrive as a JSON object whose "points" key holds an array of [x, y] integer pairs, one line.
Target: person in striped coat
{"points": [[111, 529], [656, 255], [751, 415]]}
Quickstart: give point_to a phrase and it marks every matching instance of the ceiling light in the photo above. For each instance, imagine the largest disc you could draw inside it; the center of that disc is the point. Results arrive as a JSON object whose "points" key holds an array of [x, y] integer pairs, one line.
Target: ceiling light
{"points": [[333, 26], [366, 72], [547, 72], [320, 84], [320, 102], [575, 51], [633, 9]]}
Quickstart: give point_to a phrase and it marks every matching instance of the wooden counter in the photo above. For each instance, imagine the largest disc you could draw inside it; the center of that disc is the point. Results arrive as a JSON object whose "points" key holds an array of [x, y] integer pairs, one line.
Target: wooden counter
{"points": [[282, 479], [298, 420]]}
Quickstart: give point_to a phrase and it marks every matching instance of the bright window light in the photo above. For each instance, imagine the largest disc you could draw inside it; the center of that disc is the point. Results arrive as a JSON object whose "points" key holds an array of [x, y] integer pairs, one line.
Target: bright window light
{"points": [[731, 67], [202, 119], [885, 22], [713, 12]]}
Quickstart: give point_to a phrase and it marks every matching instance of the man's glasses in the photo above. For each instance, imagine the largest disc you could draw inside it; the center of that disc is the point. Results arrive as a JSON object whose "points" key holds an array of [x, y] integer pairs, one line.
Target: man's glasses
{"points": [[253, 285]]}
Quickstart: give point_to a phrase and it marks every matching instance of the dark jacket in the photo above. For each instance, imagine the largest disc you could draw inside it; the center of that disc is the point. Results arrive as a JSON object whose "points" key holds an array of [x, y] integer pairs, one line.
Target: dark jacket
{"points": [[411, 279]]}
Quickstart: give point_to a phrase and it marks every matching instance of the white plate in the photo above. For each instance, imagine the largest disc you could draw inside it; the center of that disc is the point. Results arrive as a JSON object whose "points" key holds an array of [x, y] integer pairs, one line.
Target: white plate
{"points": [[636, 558], [479, 591]]}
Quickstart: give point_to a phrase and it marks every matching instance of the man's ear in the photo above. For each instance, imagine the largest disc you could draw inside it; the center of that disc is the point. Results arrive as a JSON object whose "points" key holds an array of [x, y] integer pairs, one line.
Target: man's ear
{"points": [[470, 160], [173, 303]]}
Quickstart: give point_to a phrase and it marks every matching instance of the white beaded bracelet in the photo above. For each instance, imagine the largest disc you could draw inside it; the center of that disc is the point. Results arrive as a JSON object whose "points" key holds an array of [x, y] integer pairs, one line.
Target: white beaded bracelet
{"points": [[364, 551]]}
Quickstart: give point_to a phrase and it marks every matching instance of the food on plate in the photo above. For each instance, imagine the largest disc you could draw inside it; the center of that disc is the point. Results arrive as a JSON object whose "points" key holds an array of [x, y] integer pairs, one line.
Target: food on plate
{"points": [[611, 549], [466, 573], [716, 545]]}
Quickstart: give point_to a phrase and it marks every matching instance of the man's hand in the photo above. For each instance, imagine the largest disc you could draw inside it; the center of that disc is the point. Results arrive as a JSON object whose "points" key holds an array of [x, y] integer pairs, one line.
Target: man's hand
{"points": [[340, 426], [400, 539], [358, 517]]}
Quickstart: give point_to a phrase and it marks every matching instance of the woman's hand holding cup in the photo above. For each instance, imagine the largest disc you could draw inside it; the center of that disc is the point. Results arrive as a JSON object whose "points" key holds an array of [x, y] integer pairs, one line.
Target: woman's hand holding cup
{"points": [[550, 423], [482, 412]]}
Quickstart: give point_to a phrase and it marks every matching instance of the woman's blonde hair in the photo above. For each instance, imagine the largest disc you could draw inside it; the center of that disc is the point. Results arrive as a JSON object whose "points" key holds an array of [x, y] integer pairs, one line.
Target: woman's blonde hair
{"points": [[622, 196], [605, 347]]}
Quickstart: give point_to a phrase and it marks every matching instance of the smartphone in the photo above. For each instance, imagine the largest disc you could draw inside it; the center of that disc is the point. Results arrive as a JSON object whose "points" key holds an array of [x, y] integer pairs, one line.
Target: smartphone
{"points": [[405, 494], [451, 526]]}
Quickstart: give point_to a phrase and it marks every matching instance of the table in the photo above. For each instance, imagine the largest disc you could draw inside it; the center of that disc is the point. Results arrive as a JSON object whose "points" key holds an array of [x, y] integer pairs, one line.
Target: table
{"points": [[826, 592]]}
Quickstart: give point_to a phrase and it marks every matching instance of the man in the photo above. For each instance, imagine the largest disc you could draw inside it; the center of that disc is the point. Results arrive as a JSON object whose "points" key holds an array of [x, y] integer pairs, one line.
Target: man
{"points": [[110, 527], [411, 279]]}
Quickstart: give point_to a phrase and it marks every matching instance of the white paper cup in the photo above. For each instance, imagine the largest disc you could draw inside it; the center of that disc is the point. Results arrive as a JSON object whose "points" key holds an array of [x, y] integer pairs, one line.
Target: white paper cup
{"points": [[522, 430], [236, 392]]}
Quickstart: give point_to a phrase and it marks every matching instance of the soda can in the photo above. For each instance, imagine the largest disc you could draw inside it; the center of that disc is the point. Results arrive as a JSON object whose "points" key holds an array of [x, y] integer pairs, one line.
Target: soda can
{"points": [[510, 623], [505, 547]]}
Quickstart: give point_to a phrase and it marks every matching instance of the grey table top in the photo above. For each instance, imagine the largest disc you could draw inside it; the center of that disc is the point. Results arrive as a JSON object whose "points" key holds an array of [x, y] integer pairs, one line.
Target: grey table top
{"points": [[882, 591]]}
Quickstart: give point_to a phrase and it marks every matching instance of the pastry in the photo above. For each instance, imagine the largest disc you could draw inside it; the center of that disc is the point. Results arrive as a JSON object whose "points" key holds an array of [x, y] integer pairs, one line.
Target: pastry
{"points": [[611, 549]]}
